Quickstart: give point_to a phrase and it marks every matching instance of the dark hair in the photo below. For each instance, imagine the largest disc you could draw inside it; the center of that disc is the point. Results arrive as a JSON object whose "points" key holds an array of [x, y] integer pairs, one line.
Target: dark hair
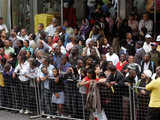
{"points": [[92, 72], [34, 62], [27, 41], [41, 24], [112, 68], [1, 18]]}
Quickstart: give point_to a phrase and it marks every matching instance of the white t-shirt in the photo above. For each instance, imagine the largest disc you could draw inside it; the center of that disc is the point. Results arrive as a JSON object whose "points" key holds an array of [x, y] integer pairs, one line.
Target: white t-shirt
{"points": [[23, 69], [50, 30], [113, 58], [147, 47], [3, 26]]}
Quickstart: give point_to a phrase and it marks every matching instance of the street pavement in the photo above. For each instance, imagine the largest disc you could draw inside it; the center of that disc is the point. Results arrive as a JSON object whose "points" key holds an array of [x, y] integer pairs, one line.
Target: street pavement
{"points": [[6, 115]]}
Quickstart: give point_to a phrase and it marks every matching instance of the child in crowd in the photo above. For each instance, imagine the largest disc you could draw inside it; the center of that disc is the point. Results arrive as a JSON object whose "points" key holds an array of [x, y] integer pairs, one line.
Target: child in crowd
{"points": [[45, 91], [58, 95]]}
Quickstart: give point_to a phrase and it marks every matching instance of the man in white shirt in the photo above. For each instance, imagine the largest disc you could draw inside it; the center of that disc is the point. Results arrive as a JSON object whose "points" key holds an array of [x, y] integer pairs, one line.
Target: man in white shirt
{"points": [[3, 26], [51, 29], [111, 56], [147, 45], [147, 23], [22, 35]]}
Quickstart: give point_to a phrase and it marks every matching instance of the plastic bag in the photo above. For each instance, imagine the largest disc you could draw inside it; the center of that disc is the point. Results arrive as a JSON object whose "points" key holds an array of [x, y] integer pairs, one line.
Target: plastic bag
{"points": [[100, 116]]}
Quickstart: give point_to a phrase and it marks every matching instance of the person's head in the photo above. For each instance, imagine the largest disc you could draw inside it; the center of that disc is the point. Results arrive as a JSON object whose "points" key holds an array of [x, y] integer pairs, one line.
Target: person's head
{"points": [[65, 24], [132, 73], [2, 51], [19, 43], [50, 40], [131, 17], [111, 51], [131, 59], [33, 63], [97, 69], [139, 44], [91, 44], [44, 70], [64, 60], [147, 74], [3, 34], [23, 32], [39, 54], [59, 29], [13, 33], [95, 29], [147, 57], [145, 16], [112, 69], [55, 72], [76, 31], [158, 73], [154, 46], [1, 20], [57, 50], [103, 57], [40, 27], [31, 36], [90, 73], [93, 52], [80, 63], [7, 43], [122, 57], [89, 61], [105, 41], [54, 22], [74, 51], [148, 38], [85, 21], [7, 67], [129, 35], [45, 61], [26, 43]]}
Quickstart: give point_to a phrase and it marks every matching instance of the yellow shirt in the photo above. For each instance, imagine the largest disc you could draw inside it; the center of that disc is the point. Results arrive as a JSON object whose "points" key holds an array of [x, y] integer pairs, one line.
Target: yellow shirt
{"points": [[158, 48], [154, 87]]}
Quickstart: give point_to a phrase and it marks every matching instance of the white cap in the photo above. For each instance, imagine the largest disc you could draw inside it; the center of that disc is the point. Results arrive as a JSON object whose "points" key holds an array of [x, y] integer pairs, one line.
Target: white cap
{"points": [[88, 41], [158, 38], [148, 36], [147, 73]]}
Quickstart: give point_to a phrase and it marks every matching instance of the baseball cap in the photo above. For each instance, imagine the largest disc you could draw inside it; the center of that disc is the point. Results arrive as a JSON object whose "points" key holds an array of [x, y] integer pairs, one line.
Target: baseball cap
{"points": [[148, 36], [158, 38], [148, 73]]}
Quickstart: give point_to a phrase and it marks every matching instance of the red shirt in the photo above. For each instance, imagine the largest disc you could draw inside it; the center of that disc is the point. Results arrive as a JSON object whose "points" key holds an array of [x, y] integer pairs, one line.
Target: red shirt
{"points": [[120, 65], [87, 85]]}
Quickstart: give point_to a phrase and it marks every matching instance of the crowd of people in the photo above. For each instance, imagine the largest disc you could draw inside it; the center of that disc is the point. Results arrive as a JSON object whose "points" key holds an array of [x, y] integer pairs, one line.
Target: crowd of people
{"points": [[115, 53]]}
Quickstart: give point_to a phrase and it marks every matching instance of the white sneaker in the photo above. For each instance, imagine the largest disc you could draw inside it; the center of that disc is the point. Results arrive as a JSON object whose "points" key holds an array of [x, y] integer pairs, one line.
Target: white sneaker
{"points": [[26, 112], [48, 117], [53, 117], [21, 111]]}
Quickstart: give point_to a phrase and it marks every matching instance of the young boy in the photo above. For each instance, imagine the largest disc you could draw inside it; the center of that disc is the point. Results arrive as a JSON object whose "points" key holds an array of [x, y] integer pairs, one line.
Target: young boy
{"points": [[45, 91]]}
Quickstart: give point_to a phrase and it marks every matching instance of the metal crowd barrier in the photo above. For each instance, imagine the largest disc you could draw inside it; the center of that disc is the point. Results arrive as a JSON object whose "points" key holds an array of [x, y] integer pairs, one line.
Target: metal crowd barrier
{"points": [[118, 103]]}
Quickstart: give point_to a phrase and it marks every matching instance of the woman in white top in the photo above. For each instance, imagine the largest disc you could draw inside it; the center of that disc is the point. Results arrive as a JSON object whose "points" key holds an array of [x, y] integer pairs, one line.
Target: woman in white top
{"points": [[21, 71]]}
